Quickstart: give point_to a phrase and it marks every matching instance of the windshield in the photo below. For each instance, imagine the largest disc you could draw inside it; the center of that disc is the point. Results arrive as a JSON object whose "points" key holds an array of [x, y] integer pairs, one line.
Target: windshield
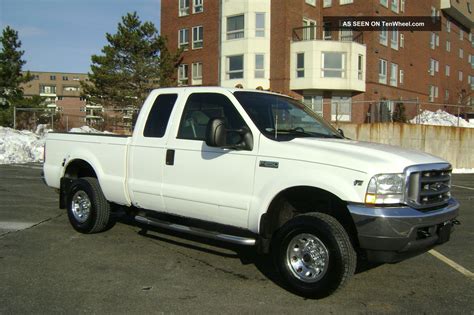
{"points": [[282, 118]]}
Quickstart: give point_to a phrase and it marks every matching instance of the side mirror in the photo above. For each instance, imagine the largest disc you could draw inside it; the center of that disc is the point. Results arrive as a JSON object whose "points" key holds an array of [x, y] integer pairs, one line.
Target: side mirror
{"points": [[216, 136], [216, 133]]}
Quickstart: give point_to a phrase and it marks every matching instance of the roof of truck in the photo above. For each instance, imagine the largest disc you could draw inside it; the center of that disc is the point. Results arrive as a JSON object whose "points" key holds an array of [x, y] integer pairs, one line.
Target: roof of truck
{"points": [[218, 88]]}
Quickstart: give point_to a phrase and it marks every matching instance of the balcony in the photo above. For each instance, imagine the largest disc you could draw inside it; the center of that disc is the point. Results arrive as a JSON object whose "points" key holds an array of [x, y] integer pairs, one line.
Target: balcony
{"points": [[461, 10], [327, 60]]}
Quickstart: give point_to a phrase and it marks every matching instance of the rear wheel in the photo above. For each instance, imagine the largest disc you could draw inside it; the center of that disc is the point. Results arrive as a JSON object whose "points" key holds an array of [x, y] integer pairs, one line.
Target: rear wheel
{"points": [[314, 255], [87, 208]]}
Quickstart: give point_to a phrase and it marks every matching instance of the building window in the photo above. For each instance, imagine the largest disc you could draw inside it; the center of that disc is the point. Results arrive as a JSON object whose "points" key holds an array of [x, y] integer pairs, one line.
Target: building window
{"points": [[434, 40], [434, 66], [259, 24], [394, 39], [395, 7], [433, 93], [402, 77], [259, 66], [383, 71], [402, 40], [433, 11], [383, 36], [448, 46], [448, 26], [197, 73], [345, 1], [65, 78], [198, 6], [235, 67], [327, 31], [48, 89], [447, 70], [300, 65], [346, 34], [315, 102], [36, 77], [309, 31], [327, 3], [461, 34], [384, 3], [341, 108], [402, 5], [461, 53], [471, 60], [183, 75], [311, 2], [70, 88], [393, 74], [198, 37], [235, 27], [460, 76], [360, 67], [183, 7], [183, 41], [446, 95], [52, 77], [333, 65]]}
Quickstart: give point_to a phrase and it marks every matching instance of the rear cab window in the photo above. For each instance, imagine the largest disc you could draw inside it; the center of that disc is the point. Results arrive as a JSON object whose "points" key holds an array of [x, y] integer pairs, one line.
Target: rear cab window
{"points": [[159, 116]]}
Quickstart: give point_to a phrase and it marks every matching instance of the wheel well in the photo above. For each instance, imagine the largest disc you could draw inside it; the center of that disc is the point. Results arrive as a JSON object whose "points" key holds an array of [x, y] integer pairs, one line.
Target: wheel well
{"points": [[78, 169], [303, 199]]}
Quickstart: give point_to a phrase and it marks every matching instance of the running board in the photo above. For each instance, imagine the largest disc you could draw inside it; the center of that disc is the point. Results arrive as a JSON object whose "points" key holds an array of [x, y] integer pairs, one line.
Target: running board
{"points": [[196, 231]]}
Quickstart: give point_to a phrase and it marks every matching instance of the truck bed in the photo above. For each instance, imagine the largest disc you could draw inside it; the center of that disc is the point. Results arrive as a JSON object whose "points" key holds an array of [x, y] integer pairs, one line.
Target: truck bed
{"points": [[107, 152]]}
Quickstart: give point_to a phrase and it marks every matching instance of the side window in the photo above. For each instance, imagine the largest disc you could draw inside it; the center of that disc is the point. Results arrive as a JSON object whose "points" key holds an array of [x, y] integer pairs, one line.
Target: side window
{"points": [[200, 108], [159, 116]]}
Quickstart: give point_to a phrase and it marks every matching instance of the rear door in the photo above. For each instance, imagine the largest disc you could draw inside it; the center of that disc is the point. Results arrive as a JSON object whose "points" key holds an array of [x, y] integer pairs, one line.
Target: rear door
{"points": [[207, 183], [147, 154]]}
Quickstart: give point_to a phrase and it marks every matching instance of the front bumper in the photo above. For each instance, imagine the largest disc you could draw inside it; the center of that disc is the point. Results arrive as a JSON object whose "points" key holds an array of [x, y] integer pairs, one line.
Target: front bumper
{"points": [[390, 234]]}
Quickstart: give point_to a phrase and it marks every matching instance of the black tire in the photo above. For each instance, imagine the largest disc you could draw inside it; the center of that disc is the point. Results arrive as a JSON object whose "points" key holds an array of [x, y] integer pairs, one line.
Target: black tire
{"points": [[298, 270], [98, 216]]}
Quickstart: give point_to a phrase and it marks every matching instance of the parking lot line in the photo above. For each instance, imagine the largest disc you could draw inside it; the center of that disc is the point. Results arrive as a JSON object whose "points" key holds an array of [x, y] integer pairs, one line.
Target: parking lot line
{"points": [[470, 188], [453, 264]]}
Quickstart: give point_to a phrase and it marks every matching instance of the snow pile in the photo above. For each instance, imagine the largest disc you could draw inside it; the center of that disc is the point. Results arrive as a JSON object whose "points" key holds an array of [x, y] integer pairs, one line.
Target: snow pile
{"points": [[440, 118], [27, 147], [87, 129], [20, 146], [84, 129]]}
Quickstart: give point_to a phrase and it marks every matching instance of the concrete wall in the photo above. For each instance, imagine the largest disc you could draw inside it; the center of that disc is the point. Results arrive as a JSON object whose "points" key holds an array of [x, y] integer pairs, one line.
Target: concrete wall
{"points": [[456, 145]]}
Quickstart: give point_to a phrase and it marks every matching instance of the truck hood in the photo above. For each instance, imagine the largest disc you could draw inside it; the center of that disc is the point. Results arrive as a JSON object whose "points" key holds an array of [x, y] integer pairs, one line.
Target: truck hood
{"points": [[366, 157]]}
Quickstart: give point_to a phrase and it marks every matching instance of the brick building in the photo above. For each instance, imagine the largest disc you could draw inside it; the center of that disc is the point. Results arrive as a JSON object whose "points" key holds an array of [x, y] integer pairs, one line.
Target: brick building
{"points": [[62, 92], [345, 75]]}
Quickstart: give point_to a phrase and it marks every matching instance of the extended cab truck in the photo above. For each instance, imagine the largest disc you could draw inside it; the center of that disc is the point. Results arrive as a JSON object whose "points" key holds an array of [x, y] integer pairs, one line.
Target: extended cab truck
{"points": [[257, 169]]}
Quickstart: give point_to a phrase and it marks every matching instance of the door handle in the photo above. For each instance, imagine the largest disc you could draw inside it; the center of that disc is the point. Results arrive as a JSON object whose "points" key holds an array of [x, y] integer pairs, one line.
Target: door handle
{"points": [[169, 157]]}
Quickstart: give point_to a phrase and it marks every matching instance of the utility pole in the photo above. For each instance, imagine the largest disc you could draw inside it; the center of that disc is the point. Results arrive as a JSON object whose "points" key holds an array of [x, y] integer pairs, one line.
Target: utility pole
{"points": [[14, 117]]}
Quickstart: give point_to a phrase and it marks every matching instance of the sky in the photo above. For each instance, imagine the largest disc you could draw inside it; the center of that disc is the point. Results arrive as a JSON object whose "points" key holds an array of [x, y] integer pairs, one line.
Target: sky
{"points": [[62, 35]]}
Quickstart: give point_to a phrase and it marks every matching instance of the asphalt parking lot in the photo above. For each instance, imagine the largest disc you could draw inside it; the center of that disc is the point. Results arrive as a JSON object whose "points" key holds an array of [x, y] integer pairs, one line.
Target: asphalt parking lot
{"points": [[47, 267]]}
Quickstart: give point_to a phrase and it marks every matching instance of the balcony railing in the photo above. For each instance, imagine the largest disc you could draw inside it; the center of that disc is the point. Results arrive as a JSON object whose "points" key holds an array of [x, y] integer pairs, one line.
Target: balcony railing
{"points": [[312, 32]]}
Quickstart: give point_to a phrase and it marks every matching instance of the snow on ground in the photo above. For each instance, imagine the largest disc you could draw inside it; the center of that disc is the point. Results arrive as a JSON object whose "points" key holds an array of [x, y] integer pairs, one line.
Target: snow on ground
{"points": [[22, 146], [440, 118]]}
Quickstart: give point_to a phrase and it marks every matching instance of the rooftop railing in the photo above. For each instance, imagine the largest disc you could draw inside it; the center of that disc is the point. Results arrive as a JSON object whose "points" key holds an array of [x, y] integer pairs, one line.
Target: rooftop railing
{"points": [[306, 33]]}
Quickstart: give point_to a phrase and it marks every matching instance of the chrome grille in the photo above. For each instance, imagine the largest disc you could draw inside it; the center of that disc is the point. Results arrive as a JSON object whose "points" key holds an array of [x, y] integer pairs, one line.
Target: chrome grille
{"points": [[429, 186]]}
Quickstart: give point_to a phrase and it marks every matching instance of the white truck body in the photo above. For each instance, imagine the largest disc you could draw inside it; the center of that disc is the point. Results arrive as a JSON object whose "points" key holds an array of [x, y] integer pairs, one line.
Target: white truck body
{"points": [[188, 178]]}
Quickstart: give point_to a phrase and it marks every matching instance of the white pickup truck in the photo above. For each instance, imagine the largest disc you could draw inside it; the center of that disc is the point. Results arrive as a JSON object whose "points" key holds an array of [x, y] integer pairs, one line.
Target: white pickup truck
{"points": [[257, 169]]}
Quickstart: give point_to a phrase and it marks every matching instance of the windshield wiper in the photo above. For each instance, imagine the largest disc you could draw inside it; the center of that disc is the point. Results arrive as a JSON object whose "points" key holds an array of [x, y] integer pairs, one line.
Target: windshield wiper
{"points": [[294, 131]]}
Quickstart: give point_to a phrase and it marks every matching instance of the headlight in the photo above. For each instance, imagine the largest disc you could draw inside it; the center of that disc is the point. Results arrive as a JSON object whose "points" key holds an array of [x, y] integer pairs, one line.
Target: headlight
{"points": [[385, 189]]}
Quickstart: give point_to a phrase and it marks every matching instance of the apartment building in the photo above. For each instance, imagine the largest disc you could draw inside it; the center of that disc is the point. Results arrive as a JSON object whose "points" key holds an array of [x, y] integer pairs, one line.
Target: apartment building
{"points": [[344, 75], [62, 92]]}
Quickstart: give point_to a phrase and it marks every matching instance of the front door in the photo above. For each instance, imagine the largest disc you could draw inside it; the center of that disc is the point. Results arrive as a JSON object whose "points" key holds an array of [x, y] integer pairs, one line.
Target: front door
{"points": [[203, 182]]}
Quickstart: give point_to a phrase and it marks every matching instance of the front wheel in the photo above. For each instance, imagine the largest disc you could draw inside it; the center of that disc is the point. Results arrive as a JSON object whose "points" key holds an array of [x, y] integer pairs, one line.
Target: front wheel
{"points": [[314, 255], [87, 208]]}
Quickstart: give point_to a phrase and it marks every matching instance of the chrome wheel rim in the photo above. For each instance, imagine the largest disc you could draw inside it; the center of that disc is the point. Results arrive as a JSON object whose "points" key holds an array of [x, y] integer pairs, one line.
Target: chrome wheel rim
{"points": [[307, 258], [81, 206]]}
